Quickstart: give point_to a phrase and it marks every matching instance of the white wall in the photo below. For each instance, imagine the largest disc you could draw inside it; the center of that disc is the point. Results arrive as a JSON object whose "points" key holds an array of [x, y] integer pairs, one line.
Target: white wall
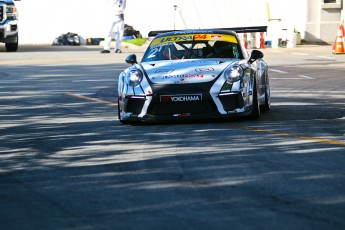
{"points": [[43, 20]]}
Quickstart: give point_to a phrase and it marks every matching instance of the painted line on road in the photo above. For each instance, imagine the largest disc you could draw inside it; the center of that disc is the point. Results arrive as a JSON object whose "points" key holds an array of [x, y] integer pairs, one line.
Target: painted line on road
{"points": [[277, 71], [300, 77], [292, 78], [301, 54], [9, 82], [287, 90], [276, 51], [100, 80], [306, 77], [17, 62], [319, 140], [327, 57], [91, 99], [285, 78]]}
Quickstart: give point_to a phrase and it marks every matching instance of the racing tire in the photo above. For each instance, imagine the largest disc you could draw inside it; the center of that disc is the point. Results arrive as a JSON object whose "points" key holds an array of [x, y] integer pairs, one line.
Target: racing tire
{"points": [[255, 112], [267, 106]]}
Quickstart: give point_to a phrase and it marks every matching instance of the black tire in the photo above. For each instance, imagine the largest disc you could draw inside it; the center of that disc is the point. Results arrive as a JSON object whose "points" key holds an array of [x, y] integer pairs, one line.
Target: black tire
{"points": [[267, 105], [255, 113], [12, 47], [118, 111]]}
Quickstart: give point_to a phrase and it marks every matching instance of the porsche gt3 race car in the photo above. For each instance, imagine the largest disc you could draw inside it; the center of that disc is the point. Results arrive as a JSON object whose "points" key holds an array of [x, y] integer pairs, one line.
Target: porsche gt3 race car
{"points": [[194, 74]]}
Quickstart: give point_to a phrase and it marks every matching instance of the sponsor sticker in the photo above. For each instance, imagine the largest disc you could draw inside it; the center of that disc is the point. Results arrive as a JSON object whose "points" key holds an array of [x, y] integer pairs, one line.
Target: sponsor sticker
{"points": [[182, 115], [180, 98], [216, 37], [183, 76], [200, 36], [181, 81], [165, 71], [204, 69]]}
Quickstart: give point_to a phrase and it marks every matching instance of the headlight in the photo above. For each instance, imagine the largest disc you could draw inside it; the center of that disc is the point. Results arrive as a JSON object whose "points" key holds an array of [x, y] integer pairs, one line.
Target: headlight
{"points": [[134, 77], [234, 74], [11, 10], [11, 13]]}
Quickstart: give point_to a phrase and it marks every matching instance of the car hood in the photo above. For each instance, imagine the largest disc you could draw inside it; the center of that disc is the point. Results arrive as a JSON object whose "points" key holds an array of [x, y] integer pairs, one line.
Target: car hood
{"points": [[185, 71], [7, 1]]}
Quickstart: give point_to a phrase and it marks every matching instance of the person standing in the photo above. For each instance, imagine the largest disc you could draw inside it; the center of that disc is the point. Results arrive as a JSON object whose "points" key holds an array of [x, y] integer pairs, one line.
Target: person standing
{"points": [[116, 28]]}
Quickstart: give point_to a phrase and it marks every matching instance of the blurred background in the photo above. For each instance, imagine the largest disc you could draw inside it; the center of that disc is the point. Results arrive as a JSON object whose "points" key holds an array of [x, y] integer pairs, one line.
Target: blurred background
{"points": [[315, 21]]}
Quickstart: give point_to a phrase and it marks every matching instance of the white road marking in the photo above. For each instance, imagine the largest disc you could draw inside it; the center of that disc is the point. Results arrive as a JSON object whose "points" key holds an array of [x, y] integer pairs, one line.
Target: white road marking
{"points": [[278, 71], [326, 57], [299, 77], [276, 51], [9, 82], [286, 78], [100, 80], [301, 54], [306, 77], [286, 90]]}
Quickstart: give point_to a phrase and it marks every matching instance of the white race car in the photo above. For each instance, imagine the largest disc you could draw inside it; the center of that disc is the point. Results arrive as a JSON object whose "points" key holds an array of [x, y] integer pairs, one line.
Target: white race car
{"points": [[194, 74]]}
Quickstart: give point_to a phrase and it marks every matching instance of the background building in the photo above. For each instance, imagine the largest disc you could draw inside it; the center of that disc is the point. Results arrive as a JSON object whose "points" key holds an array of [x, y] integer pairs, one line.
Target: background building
{"points": [[323, 19], [43, 20]]}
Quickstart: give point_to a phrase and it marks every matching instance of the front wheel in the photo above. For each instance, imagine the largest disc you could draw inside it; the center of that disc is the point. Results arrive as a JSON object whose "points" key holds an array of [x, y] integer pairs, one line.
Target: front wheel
{"points": [[267, 105], [119, 111], [12, 47], [255, 113]]}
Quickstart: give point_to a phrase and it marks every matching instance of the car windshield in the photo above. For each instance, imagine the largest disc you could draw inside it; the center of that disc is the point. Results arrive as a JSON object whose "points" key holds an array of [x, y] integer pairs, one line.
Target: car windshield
{"points": [[190, 46]]}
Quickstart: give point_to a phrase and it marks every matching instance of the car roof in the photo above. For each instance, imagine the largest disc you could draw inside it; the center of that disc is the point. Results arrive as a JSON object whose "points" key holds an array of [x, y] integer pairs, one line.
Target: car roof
{"points": [[196, 32], [230, 31]]}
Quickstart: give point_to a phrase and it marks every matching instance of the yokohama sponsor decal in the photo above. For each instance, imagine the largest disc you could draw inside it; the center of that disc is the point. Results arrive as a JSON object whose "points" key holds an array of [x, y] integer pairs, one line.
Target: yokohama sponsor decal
{"points": [[180, 98]]}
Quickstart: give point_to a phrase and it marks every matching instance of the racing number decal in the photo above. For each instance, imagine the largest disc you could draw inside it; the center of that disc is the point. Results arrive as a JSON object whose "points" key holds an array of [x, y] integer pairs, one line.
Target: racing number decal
{"points": [[154, 51]]}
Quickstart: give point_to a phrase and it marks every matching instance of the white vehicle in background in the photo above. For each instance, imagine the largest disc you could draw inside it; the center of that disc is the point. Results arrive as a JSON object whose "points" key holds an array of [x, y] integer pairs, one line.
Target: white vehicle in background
{"points": [[9, 25]]}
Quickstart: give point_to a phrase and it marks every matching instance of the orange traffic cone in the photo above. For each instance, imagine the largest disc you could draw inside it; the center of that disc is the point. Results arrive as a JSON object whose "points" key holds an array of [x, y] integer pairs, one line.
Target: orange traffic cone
{"points": [[338, 47]]}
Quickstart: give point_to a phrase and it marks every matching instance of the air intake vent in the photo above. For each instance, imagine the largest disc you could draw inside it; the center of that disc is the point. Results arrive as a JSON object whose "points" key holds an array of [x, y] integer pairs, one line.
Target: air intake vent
{"points": [[1, 13]]}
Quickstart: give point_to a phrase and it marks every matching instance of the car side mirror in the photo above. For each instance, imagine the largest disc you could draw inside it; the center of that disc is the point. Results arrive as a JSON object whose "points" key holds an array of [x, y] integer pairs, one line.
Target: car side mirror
{"points": [[131, 59], [255, 55]]}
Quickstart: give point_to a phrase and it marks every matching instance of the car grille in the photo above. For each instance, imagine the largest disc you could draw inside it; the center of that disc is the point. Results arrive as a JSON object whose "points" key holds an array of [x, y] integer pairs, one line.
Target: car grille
{"points": [[163, 89], [204, 106], [1, 13], [193, 108]]}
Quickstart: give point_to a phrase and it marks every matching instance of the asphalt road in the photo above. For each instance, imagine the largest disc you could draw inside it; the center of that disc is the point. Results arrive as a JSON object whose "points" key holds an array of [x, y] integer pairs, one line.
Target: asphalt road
{"points": [[67, 163]]}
